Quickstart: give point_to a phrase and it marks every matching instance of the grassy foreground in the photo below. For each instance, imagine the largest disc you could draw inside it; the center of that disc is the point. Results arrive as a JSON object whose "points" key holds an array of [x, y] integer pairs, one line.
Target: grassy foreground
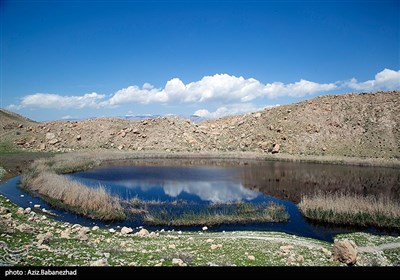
{"points": [[32, 240], [351, 209]]}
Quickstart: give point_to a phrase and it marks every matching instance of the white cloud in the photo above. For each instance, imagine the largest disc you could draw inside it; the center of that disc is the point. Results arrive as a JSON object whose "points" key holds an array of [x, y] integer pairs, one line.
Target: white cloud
{"points": [[134, 94], [298, 89], [46, 100], [228, 110], [222, 88], [386, 79]]}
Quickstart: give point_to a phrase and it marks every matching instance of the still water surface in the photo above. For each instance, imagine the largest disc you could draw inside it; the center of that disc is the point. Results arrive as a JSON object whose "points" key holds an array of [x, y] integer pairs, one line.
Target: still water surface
{"points": [[203, 182]]}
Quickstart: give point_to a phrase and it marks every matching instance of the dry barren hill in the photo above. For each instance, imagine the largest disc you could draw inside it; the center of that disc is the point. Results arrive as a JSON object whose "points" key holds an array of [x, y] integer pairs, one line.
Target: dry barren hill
{"points": [[360, 125]]}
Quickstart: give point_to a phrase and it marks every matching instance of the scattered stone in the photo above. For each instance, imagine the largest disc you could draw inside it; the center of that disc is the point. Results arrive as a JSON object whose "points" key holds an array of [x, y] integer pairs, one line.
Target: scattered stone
{"points": [[82, 236], [65, 234], [27, 210], [106, 255], [204, 228], [285, 249], [50, 136], [291, 258], [21, 195], [4, 210], [36, 206], [345, 251], [171, 246], [8, 216], [276, 148], [44, 238], [252, 258], [215, 246], [126, 230], [78, 137], [209, 240], [95, 228], [142, 233], [20, 211], [300, 259], [326, 252], [178, 262], [53, 141], [100, 262], [111, 230]]}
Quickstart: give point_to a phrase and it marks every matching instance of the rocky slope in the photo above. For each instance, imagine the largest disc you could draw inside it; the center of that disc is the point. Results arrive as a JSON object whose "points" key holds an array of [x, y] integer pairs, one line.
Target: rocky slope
{"points": [[358, 125]]}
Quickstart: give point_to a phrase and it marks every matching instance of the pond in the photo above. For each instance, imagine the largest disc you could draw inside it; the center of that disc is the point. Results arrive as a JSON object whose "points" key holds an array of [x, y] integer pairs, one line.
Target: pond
{"points": [[180, 186]]}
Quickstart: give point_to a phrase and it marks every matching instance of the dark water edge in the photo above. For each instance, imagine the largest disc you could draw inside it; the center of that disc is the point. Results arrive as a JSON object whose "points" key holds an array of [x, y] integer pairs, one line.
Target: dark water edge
{"points": [[297, 224]]}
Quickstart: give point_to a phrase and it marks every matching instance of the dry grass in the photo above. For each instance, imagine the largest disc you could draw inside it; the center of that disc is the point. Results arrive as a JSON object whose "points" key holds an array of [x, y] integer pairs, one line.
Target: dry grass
{"points": [[352, 209], [66, 193]]}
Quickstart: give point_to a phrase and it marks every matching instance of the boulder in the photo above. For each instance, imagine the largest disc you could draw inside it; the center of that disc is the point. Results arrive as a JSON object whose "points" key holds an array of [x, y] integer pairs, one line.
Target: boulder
{"points": [[178, 262], [345, 251], [143, 233], [65, 234], [276, 148], [78, 137], [126, 230], [264, 145], [251, 257], [50, 136], [4, 210], [204, 228], [82, 236], [101, 262]]}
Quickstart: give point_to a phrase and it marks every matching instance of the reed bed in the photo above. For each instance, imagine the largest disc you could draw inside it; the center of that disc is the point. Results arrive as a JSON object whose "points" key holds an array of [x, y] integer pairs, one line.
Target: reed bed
{"points": [[239, 213], [60, 191], [351, 209]]}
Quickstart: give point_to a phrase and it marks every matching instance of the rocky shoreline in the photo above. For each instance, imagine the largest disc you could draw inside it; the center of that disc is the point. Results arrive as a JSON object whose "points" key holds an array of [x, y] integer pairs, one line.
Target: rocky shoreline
{"points": [[30, 237]]}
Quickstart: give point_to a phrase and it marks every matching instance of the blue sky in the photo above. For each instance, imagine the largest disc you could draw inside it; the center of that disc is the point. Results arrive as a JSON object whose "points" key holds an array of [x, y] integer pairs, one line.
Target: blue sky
{"points": [[79, 59]]}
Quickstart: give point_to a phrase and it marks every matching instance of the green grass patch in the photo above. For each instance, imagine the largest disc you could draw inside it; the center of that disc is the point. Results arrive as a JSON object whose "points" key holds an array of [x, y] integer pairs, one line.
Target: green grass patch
{"points": [[235, 213]]}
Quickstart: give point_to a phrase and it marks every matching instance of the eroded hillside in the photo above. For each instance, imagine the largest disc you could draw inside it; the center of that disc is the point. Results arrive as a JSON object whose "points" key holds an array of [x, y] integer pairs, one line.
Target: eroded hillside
{"points": [[358, 125]]}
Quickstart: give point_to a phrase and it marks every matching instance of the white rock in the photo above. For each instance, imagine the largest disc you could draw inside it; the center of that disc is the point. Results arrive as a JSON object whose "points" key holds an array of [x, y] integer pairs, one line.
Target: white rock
{"points": [[252, 258], [21, 195], [95, 228], [215, 246], [126, 230], [178, 262], [204, 228], [111, 230], [143, 233], [101, 262], [36, 206]]}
